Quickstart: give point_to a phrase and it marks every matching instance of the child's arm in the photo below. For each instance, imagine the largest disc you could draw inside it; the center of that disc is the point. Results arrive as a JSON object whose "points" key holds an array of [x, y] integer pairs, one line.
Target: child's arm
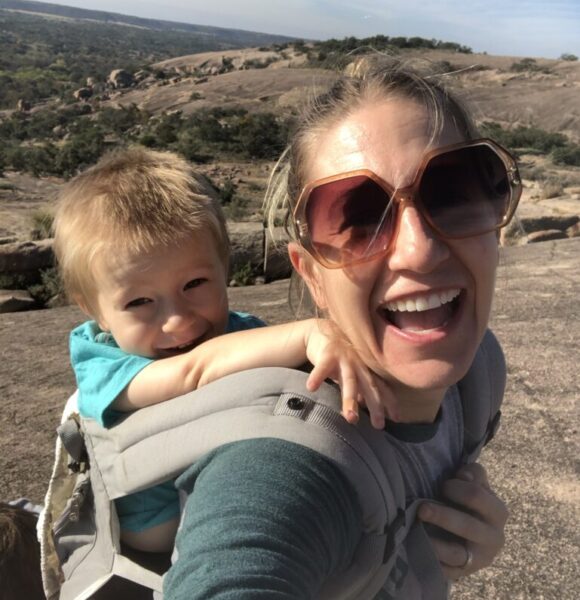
{"points": [[287, 345]]}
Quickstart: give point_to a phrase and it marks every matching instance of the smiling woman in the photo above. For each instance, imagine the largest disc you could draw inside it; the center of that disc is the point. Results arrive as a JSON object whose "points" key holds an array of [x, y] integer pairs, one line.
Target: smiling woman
{"points": [[393, 206]]}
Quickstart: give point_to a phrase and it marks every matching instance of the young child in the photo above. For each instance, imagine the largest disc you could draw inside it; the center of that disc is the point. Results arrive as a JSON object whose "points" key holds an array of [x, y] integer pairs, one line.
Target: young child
{"points": [[19, 554], [143, 250]]}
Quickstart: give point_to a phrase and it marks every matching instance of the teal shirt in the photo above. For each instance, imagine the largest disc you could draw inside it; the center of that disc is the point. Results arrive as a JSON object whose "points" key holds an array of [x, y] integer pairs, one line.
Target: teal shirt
{"points": [[102, 371]]}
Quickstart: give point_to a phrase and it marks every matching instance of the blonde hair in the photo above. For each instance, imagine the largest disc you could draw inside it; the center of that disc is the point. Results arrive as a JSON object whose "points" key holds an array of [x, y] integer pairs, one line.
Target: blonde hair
{"points": [[132, 201], [369, 79]]}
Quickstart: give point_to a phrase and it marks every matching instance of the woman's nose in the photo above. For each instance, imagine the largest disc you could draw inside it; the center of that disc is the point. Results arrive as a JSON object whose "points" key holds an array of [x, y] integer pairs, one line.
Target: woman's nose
{"points": [[416, 247]]}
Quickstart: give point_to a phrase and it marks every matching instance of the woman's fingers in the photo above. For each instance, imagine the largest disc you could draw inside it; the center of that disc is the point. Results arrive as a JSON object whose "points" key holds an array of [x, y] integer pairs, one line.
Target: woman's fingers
{"points": [[478, 500], [460, 523], [454, 558], [477, 517]]}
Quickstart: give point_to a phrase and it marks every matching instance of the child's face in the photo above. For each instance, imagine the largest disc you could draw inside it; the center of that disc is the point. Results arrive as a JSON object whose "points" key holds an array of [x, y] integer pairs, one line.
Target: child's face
{"points": [[166, 302]]}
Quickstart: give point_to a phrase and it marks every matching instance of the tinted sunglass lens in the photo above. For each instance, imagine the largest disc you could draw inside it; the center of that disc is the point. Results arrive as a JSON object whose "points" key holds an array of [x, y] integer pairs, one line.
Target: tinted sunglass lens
{"points": [[348, 219], [466, 191]]}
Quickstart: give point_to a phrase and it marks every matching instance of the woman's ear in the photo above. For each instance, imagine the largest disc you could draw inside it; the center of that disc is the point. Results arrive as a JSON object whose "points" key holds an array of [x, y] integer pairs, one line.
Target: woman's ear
{"points": [[305, 267]]}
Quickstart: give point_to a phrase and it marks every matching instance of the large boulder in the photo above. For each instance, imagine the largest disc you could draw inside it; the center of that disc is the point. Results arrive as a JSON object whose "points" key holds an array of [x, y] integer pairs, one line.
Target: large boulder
{"points": [[83, 93], [24, 261], [16, 301], [119, 78], [247, 246]]}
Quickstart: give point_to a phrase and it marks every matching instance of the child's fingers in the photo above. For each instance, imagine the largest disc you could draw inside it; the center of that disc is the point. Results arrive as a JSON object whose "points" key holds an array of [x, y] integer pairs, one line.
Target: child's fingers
{"points": [[319, 373], [349, 392], [388, 401], [350, 410], [372, 398]]}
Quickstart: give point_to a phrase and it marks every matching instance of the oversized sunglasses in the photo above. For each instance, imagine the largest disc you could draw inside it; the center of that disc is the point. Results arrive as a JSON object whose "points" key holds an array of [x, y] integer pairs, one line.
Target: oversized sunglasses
{"points": [[462, 190]]}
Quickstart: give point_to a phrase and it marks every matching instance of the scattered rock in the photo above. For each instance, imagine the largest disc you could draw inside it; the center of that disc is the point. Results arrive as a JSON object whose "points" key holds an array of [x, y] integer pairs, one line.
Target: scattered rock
{"points": [[546, 235], [573, 230], [8, 240], [15, 301]]}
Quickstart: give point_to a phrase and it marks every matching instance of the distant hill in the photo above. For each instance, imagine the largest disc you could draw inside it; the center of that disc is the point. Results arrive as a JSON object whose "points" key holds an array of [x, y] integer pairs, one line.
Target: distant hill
{"points": [[48, 49], [218, 36]]}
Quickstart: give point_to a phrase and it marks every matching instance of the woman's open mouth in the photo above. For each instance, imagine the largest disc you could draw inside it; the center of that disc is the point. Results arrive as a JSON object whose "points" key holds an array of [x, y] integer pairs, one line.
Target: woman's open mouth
{"points": [[423, 313]]}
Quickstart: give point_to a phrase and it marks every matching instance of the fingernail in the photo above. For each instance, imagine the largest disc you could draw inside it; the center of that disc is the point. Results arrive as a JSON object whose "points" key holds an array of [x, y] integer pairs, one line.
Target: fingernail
{"points": [[352, 416]]}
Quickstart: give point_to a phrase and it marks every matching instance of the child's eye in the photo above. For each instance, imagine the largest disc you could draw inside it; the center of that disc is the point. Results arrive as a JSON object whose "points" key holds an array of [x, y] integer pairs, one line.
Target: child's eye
{"points": [[137, 302], [194, 283]]}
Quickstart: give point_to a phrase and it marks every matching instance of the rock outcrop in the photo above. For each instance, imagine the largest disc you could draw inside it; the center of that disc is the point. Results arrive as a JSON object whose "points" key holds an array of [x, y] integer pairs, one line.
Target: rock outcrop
{"points": [[119, 78]]}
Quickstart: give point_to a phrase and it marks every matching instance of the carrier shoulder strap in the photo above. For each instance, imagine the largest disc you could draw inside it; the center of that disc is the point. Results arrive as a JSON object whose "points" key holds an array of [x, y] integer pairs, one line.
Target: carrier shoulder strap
{"points": [[269, 403], [482, 391]]}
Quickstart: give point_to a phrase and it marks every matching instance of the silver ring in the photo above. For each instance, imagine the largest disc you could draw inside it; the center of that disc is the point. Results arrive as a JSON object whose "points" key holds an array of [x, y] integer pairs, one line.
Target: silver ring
{"points": [[468, 558]]}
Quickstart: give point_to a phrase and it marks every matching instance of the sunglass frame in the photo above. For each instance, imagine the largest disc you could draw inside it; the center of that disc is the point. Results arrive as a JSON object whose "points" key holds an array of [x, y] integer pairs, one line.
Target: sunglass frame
{"points": [[401, 195]]}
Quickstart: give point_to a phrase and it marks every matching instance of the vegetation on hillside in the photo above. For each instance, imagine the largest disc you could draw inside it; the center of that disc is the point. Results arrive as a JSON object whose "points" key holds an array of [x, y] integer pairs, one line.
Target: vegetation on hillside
{"points": [[532, 140], [41, 57], [335, 53], [62, 142]]}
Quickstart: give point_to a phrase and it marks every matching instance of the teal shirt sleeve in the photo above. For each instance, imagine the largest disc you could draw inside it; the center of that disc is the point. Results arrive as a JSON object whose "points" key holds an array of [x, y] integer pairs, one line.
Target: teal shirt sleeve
{"points": [[264, 518], [102, 371], [239, 321]]}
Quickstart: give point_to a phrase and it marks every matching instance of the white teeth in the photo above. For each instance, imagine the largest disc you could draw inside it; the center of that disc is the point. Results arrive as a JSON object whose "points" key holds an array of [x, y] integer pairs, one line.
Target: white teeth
{"points": [[421, 303]]}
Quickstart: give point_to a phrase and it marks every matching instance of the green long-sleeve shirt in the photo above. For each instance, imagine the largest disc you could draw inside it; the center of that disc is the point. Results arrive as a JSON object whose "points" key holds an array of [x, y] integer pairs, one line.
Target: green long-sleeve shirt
{"points": [[278, 536]]}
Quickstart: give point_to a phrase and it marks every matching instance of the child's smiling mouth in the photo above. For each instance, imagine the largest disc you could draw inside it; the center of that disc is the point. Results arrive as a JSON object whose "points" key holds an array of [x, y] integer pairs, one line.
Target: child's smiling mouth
{"points": [[182, 348]]}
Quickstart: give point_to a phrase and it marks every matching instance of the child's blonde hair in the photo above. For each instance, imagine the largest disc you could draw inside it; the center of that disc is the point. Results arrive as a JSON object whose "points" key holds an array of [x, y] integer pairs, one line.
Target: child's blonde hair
{"points": [[132, 202]]}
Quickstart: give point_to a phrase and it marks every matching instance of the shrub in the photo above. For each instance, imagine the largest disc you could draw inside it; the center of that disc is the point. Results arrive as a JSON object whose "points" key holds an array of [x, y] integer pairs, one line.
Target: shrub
{"points": [[534, 172], [552, 188], [567, 155], [244, 275], [237, 209], [227, 192], [528, 65], [41, 224], [567, 56], [523, 137], [50, 286], [191, 148], [262, 136]]}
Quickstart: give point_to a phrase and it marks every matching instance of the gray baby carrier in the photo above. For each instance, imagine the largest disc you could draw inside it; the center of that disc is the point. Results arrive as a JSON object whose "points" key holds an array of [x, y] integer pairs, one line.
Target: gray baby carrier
{"points": [[79, 529]]}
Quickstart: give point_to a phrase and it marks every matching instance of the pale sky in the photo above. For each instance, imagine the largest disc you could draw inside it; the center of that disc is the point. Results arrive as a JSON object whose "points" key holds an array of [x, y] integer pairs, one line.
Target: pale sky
{"points": [[535, 28]]}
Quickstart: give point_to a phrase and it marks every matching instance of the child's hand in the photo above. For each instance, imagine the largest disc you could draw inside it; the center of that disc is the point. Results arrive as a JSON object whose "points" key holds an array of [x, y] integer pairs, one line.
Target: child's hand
{"points": [[334, 357]]}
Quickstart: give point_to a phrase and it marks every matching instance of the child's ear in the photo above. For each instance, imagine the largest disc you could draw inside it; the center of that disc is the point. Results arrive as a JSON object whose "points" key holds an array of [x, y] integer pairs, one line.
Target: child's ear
{"points": [[305, 267], [90, 312]]}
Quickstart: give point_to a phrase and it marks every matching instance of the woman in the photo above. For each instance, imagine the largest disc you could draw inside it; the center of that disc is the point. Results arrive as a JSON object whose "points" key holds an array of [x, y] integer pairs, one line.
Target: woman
{"points": [[394, 213]]}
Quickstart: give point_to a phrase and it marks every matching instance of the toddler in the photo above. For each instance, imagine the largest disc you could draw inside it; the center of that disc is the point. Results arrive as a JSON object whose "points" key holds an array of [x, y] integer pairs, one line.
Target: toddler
{"points": [[143, 250]]}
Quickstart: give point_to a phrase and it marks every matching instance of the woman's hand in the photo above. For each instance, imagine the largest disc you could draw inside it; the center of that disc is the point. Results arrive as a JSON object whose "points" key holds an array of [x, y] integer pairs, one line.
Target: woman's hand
{"points": [[334, 357], [478, 516]]}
